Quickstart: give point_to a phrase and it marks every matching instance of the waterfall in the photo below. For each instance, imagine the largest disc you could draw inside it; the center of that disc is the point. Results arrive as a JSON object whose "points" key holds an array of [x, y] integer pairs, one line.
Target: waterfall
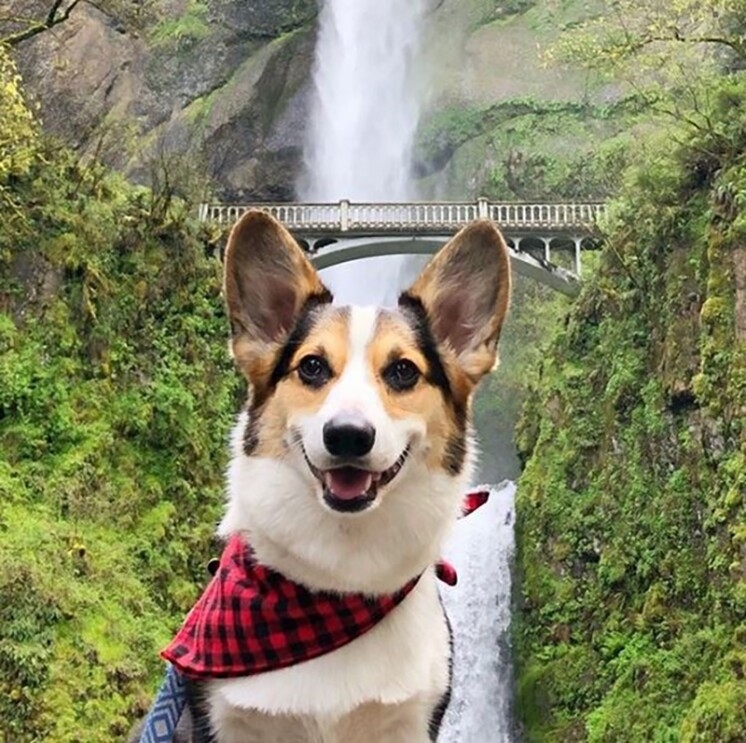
{"points": [[366, 107], [363, 121], [364, 117], [481, 549]]}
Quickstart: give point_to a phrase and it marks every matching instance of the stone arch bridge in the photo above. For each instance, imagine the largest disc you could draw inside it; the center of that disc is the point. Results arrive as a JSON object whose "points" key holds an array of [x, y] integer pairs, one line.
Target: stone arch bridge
{"points": [[546, 240]]}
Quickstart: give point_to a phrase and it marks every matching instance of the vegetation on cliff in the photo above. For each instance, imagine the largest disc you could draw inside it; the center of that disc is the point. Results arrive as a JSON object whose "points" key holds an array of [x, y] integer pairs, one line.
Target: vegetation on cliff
{"points": [[20, 22], [631, 513], [116, 393], [116, 396]]}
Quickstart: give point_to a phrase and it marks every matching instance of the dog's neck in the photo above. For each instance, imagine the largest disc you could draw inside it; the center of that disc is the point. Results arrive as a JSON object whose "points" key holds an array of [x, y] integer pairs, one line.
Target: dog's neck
{"points": [[375, 552]]}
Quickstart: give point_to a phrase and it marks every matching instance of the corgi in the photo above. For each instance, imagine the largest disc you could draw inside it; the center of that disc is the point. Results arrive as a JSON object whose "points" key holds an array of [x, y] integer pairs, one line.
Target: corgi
{"points": [[348, 468]]}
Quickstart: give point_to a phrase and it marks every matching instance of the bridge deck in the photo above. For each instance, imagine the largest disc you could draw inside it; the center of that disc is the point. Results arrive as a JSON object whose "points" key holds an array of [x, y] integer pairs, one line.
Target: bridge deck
{"points": [[416, 218]]}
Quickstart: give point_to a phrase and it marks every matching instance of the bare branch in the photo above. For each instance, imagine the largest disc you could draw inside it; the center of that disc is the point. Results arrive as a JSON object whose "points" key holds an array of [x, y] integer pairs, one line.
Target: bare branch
{"points": [[52, 20], [53, 12], [735, 45]]}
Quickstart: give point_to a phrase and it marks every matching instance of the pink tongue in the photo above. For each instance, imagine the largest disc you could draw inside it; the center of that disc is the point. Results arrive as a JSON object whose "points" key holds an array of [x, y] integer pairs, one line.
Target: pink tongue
{"points": [[348, 482]]}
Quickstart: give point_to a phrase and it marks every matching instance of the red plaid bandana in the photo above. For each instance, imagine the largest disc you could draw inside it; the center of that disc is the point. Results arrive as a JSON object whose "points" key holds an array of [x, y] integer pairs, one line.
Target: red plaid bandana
{"points": [[251, 619]]}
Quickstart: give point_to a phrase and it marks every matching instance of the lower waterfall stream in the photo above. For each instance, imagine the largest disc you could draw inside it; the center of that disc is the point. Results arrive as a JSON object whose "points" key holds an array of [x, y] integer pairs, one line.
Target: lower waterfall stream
{"points": [[481, 550]]}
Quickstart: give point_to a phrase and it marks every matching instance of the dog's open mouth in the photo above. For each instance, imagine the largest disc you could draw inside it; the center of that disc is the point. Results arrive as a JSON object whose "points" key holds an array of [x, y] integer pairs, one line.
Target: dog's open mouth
{"points": [[352, 489]]}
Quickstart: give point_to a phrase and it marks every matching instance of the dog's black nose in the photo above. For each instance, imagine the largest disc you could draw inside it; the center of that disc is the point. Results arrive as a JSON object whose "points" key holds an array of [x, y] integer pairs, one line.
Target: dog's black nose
{"points": [[348, 436]]}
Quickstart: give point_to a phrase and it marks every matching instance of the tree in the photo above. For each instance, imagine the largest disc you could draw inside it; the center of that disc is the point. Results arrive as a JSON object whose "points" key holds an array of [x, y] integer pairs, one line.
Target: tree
{"points": [[671, 54], [18, 128], [631, 28], [15, 28]]}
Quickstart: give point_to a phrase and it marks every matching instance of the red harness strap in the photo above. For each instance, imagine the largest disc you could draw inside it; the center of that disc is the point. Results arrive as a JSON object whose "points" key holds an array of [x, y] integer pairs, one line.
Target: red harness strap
{"points": [[252, 619]]}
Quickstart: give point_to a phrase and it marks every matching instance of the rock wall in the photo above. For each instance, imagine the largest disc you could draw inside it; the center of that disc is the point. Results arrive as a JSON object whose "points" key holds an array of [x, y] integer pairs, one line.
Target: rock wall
{"points": [[226, 85], [631, 509], [224, 81]]}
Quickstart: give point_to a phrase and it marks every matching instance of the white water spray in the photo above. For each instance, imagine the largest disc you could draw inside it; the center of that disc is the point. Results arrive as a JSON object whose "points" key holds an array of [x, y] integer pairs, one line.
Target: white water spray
{"points": [[366, 108], [364, 118], [481, 549]]}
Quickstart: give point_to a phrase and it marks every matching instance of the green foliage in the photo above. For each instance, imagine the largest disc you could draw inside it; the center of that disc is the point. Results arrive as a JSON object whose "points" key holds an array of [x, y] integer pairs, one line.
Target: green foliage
{"points": [[562, 152], [649, 35], [671, 54], [631, 507], [717, 713], [541, 150], [445, 131], [18, 133], [116, 395], [190, 26]]}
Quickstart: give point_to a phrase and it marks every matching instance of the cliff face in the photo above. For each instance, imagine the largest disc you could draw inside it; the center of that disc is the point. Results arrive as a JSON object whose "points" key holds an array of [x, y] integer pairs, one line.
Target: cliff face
{"points": [[112, 362], [223, 84], [631, 510]]}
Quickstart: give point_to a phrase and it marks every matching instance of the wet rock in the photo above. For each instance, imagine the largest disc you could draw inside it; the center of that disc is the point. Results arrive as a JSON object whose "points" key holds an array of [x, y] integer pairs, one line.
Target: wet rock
{"points": [[229, 86]]}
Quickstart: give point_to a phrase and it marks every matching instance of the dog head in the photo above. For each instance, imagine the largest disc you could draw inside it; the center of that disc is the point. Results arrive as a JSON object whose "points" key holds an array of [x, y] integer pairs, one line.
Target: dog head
{"points": [[353, 397]]}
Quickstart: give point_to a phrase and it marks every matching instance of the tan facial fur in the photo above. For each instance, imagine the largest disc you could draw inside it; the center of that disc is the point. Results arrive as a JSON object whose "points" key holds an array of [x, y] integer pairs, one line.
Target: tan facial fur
{"points": [[395, 338], [448, 325], [291, 399]]}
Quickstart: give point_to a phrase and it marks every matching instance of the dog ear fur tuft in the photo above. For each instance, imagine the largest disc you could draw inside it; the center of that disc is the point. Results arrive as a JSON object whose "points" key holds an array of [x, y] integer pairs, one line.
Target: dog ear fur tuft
{"points": [[267, 282], [465, 291]]}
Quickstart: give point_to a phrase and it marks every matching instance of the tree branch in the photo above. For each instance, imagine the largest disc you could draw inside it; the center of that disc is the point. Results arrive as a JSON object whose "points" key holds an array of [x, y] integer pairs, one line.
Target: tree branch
{"points": [[738, 47], [53, 12], [52, 20]]}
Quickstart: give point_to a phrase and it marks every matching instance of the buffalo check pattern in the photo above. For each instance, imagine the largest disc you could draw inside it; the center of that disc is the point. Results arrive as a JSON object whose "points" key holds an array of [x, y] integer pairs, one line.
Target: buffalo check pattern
{"points": [[251, 619]]}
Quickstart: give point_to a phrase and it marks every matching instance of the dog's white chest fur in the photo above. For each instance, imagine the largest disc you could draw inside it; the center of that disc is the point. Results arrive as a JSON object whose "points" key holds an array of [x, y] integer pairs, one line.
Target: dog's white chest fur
{"points": [[405, 655]]}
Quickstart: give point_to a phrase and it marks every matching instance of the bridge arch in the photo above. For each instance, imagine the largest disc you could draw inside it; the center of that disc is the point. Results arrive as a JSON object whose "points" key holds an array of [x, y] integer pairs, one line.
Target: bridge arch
{"points": [[344, 250]]}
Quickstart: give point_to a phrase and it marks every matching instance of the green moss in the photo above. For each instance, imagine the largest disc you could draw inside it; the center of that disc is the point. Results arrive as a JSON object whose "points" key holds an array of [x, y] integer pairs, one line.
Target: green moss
{"points": [[717, 713], [527, 149], [184, 29], [630, 508], [116, 396]]}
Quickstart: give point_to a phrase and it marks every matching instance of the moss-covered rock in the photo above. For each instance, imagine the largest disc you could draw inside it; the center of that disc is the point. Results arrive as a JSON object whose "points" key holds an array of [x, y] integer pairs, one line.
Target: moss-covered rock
{"points": [[116, 395], [631, 508], [131, 98]]}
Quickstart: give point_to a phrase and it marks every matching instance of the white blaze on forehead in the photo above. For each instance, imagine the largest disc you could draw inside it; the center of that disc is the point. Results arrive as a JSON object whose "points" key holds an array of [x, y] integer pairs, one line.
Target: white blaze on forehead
{"points": [[355, 389]]}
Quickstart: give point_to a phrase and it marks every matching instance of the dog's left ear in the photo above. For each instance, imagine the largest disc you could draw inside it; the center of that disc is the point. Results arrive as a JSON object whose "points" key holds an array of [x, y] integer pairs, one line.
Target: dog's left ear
{"points": [[268, 282], [464, 292]]}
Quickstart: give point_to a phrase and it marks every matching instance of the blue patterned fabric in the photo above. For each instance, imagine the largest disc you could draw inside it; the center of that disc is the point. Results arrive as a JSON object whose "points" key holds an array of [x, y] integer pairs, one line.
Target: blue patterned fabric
{"points": [[164, 715]]}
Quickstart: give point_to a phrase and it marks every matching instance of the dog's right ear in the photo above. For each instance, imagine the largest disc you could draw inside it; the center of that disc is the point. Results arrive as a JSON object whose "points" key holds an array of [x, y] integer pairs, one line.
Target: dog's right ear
{"points": [[268, 281]]}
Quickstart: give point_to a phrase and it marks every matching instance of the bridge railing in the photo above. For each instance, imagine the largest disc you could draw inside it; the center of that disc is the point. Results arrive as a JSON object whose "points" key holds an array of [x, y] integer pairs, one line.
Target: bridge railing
{"points": [[414, 217]]}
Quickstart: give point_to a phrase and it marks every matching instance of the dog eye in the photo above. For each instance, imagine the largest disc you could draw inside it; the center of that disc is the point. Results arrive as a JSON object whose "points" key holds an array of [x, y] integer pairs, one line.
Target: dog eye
{"points": [[401, 375], [314, 371]]}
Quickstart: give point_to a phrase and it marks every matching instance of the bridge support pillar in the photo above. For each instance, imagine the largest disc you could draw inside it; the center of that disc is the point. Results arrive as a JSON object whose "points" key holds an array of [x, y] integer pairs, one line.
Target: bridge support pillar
{"points": [[547, 249], [578, 243]]}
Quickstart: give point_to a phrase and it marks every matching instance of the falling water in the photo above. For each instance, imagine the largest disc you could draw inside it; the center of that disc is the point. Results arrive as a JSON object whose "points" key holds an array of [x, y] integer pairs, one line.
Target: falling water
{"points": [[479, 610], [364, 118], [366, 110]]}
